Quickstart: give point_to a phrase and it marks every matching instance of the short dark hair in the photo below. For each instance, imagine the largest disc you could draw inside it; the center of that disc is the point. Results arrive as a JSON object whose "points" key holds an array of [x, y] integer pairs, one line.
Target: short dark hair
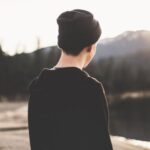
{"points": [[77, 29]]}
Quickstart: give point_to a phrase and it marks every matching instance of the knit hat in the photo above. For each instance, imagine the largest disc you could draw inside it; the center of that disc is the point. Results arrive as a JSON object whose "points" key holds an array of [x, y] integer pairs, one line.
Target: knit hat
{"points": [[77, 29]]}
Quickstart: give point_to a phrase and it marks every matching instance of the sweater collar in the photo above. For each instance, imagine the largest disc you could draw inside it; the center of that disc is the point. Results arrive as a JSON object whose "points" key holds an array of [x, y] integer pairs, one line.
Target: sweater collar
{"points": [[70, 68], [41, 80]]}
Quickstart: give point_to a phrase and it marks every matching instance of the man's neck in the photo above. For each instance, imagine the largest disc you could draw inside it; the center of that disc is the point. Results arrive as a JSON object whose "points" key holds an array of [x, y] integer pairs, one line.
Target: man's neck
{"points": [[70, 61]]}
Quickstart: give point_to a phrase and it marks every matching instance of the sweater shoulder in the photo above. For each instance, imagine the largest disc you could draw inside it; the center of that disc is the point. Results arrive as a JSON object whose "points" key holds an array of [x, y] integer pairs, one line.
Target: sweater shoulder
{"points": [[92, 80], [95, 82]]}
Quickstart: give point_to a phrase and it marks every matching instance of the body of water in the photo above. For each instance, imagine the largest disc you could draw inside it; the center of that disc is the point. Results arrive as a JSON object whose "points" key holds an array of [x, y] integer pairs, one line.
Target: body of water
{"points": [[131, 118]]}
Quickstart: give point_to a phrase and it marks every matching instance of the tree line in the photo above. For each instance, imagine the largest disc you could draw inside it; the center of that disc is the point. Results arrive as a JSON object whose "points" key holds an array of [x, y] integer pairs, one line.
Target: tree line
{"points": [[118, 74]]}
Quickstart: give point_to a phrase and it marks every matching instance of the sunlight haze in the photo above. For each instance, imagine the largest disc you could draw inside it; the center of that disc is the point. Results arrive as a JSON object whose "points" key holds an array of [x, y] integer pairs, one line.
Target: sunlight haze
{"points": [[25, 21]]}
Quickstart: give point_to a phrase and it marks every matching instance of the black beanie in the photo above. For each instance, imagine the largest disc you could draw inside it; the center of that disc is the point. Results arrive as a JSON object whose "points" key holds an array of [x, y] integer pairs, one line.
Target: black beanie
{"points": [[77, 29]]}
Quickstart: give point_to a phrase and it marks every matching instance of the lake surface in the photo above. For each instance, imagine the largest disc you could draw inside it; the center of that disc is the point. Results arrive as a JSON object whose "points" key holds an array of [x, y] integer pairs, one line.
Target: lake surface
{"points": [[131, 119]]}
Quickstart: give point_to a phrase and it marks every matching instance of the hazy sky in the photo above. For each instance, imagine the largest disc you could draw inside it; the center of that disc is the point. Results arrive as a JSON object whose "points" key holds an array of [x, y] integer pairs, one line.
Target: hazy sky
{"points": [[22, 21]]}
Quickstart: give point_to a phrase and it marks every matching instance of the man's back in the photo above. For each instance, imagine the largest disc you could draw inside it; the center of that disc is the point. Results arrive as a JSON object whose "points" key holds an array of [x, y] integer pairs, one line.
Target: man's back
{"points": [[67, 110]]}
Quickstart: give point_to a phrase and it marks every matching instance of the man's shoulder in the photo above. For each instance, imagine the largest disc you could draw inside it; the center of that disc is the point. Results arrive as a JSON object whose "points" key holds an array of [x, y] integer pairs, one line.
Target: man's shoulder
{"points": [[91, 78], [93, 81]]}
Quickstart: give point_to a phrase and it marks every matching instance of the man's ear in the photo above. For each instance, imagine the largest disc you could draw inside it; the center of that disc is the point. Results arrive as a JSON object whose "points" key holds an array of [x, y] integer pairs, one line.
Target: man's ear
{"points": [[89, 48]]}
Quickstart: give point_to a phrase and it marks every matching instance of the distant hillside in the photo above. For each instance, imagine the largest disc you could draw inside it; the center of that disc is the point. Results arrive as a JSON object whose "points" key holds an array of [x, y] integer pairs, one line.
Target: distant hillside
{"points": [[128, 42]]}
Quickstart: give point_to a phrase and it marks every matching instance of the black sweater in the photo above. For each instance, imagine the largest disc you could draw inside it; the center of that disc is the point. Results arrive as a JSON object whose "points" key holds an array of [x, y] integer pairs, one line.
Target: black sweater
{"points": [[68, 110]]}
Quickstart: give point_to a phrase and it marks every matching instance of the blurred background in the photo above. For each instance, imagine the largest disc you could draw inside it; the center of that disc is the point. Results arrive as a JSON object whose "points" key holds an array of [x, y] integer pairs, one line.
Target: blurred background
{"points": [[28, 43]]}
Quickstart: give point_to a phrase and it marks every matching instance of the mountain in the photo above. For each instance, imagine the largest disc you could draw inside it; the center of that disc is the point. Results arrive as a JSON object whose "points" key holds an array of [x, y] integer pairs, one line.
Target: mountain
{"points": [[128, 42]]}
